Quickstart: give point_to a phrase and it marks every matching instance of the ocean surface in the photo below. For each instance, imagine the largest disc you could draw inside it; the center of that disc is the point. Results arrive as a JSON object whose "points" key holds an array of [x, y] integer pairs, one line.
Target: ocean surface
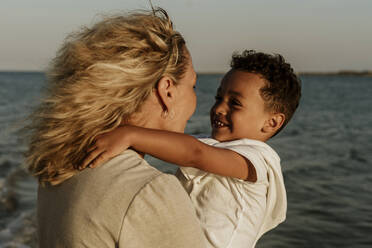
{"points": [[326, 153]]}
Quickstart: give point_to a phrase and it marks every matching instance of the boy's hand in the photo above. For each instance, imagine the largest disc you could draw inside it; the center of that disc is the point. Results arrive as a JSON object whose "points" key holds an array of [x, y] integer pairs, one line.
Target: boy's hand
{"points": [[107, 146]]}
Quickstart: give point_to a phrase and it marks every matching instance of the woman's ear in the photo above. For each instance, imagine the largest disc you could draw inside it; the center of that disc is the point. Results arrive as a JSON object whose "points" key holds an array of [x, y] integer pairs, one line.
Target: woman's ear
{"points": [[274, 123], [165, 92]]}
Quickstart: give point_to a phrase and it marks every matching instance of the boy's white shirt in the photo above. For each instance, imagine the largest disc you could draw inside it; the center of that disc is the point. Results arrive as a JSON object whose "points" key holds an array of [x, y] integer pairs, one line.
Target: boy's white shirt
{"points": [[236, 213]]}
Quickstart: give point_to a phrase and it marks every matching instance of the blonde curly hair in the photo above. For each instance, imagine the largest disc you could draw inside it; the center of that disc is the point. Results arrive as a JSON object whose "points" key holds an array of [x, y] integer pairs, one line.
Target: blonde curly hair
{"points": [[99, 78]]}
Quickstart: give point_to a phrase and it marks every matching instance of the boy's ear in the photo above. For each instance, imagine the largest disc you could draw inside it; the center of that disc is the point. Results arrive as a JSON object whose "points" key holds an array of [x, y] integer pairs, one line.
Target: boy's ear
{"points": [[274, 123], [165, 89]]}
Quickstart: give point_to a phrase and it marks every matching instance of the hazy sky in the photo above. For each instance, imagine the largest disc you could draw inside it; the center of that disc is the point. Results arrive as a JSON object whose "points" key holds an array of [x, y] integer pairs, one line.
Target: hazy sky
{"points": [[314, 35]]}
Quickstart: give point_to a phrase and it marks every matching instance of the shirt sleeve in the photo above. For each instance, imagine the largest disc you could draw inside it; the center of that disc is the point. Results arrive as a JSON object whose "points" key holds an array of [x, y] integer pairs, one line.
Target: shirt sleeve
{"points": [[161, 215], [253, 154]]}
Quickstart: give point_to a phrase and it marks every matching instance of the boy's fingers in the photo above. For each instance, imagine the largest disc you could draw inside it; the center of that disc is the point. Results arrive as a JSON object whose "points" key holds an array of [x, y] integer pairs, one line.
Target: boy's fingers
{"points": [[92, 155], [98, 160], [92, 148]]}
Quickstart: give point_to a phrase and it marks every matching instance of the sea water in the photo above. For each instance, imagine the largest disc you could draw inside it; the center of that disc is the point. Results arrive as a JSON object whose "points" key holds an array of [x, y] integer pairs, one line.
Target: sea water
{"points": [[326, 156]]}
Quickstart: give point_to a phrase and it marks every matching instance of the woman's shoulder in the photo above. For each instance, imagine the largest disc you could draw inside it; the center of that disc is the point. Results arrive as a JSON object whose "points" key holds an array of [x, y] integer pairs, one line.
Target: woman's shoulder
{"points": [[124, 174], [129, 170], [132, 172]]}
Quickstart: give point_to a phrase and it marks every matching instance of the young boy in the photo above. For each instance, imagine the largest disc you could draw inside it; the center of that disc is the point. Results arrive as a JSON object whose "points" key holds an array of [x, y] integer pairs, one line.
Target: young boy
{"points": [[236, 183]]}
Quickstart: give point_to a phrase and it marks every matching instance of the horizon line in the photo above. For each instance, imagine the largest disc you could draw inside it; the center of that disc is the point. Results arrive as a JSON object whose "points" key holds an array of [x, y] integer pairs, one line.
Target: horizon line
{"points": [[330, 72]]}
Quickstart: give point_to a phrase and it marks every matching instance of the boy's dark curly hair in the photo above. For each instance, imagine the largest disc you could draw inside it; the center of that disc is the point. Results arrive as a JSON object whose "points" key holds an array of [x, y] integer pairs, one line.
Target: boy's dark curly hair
{"points": [[282, 92]]}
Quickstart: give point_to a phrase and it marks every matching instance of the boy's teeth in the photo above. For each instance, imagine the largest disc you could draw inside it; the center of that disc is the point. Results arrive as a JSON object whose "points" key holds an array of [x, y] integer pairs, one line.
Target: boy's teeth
{"points": [[220, 124]]}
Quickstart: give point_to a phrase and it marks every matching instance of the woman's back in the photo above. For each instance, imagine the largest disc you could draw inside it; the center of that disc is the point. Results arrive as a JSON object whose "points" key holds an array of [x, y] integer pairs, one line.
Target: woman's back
{"points": [[125, 201]]}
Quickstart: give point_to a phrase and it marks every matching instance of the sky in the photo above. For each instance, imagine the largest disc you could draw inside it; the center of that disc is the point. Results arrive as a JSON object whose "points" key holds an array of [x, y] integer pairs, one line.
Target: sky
{"points": [[313, 35]]}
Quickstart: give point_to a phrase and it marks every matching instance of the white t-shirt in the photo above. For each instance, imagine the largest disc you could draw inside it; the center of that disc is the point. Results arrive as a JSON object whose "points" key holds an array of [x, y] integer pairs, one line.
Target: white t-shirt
{"points": [[236, 213]]}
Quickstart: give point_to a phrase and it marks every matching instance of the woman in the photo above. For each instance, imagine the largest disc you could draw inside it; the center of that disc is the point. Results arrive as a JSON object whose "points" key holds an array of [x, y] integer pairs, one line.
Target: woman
{"points": [[132, 69]]}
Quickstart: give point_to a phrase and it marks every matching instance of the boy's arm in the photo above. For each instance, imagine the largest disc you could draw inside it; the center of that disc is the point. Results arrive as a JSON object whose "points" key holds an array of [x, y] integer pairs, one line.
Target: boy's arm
{"points": [[176, 148]]}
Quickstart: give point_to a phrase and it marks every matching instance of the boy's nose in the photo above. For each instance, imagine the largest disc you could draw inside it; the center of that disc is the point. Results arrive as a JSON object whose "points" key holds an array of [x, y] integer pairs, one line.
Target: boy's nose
{"points": [[221, 108]]}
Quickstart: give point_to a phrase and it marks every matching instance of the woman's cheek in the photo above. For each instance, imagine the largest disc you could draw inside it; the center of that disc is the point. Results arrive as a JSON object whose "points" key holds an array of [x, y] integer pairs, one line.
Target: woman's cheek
{"points": [[195, 102]]}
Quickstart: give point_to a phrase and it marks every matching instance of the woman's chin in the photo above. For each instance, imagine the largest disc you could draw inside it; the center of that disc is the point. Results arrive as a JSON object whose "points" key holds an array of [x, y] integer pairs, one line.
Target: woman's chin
{"points": [[177, 129]]}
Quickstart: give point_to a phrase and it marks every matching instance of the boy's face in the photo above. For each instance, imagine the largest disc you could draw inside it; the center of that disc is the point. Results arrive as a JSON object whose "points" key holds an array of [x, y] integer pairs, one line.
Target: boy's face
{"points": [[239, 111]]}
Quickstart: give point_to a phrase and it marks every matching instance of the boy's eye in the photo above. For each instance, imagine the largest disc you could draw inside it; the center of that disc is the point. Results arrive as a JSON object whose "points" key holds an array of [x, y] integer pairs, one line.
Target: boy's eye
{"points": [[235, 102]]}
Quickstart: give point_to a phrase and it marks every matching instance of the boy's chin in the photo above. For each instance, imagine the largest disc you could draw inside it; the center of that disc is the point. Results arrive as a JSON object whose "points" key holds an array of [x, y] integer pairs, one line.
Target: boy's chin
{"points": [[219, 137]]}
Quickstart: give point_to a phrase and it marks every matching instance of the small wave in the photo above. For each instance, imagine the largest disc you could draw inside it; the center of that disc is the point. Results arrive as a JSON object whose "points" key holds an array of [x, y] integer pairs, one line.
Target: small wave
{"points": [[5, 166], [17, 210], [22, 187], [20, 232], [354, 155]]}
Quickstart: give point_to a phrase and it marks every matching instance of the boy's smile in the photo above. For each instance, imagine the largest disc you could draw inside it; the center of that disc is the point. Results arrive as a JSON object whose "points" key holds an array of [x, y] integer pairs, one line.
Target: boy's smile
{"points": [[239, 111]]}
